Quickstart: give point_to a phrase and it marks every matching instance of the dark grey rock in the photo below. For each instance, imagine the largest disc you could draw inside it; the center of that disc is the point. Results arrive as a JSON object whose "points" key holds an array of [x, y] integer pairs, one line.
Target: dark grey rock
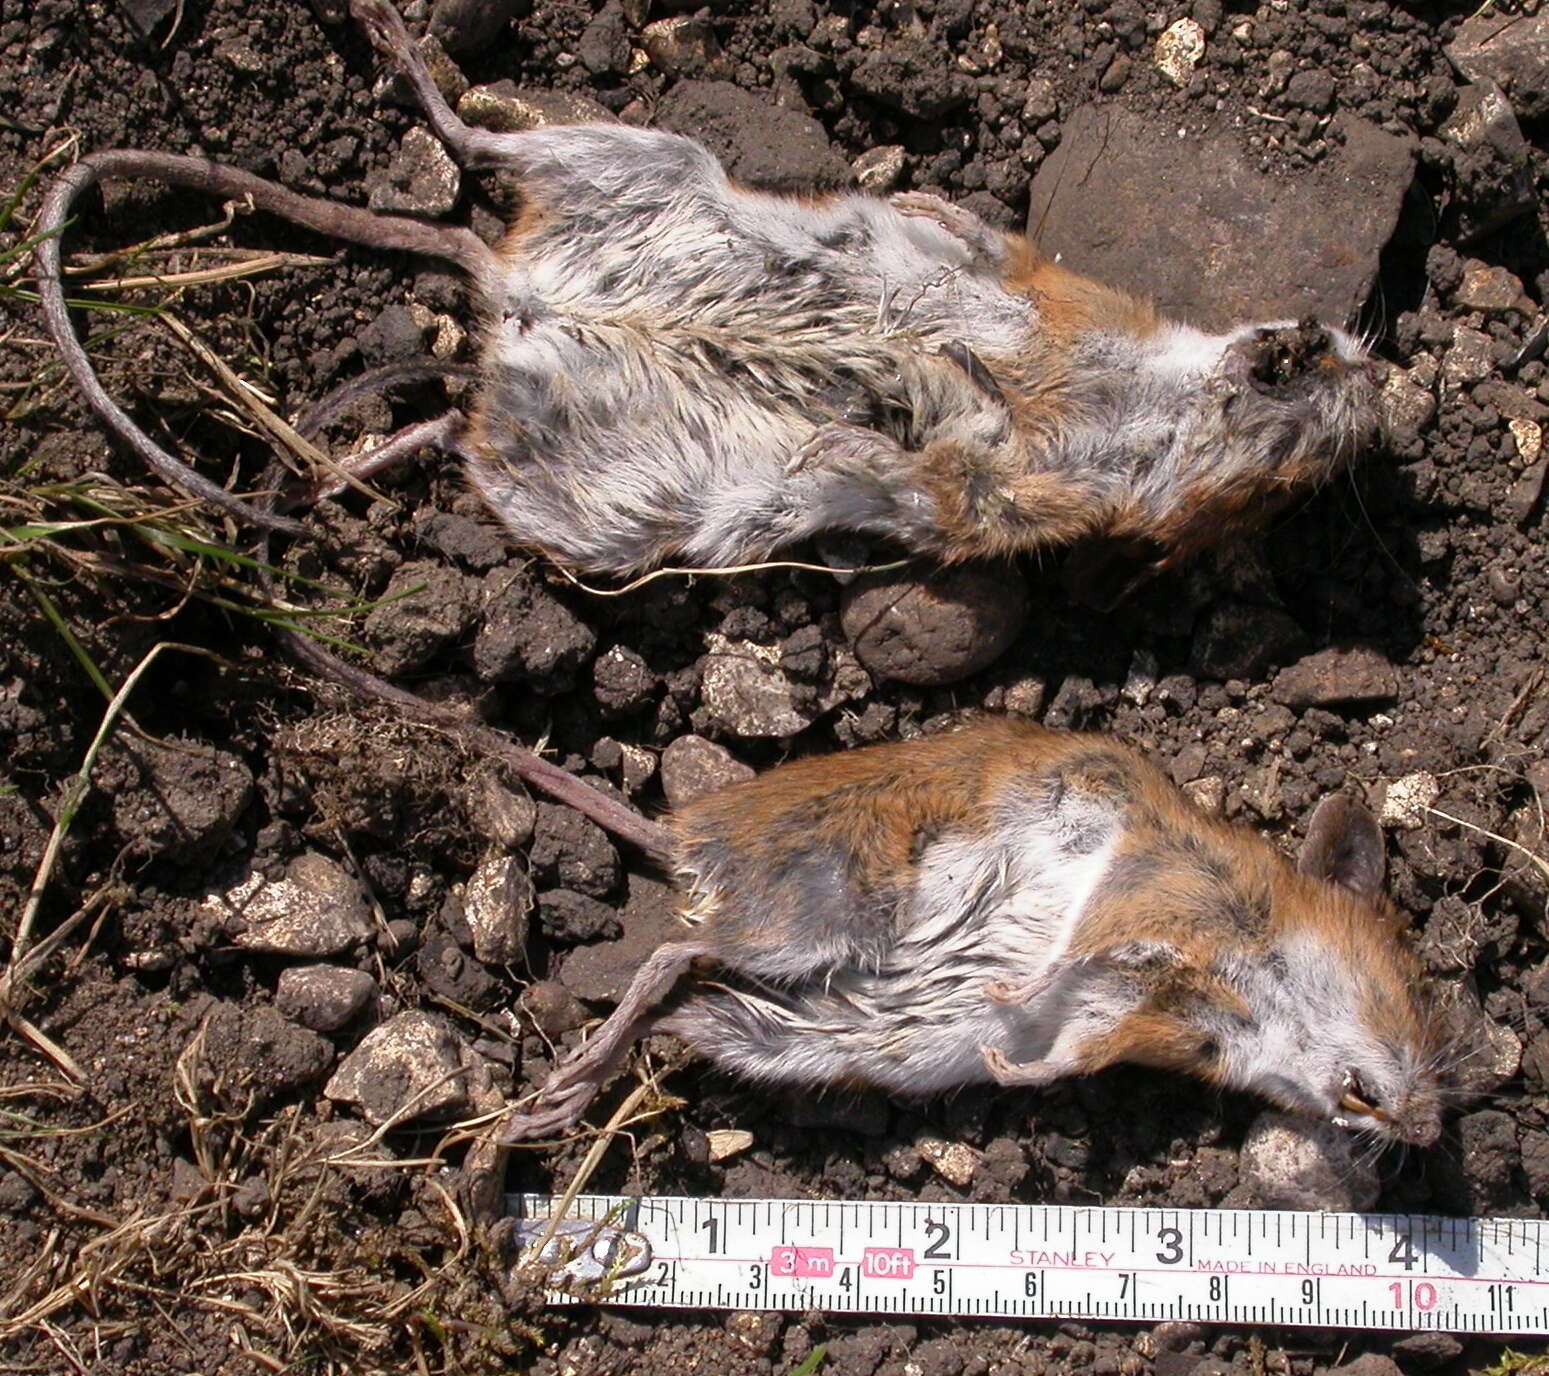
{"points": [[393, 337], [573, 917], [1310, 90], [1332, 676], [178, 801], [501, 812], [681, 44], [469, 26], [322, 997], [914, 76], [761, 145], [450, 971], [528, 635], [937, 629], [573, 851], [1492, 166], [622, 681], [1424, 1351], [256, 1054], [604, 46], [600, 972], [1193, 226], [426, 606]]}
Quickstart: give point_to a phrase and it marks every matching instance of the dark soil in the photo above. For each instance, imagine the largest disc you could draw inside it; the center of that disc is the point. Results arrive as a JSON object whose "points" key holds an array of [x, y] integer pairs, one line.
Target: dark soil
{"points": [[196, 1196]]}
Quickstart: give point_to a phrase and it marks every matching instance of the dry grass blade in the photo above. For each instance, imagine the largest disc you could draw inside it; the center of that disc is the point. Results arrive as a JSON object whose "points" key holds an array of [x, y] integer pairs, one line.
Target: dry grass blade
{"points": [[203, 277], [730, 571], [264, 417]]}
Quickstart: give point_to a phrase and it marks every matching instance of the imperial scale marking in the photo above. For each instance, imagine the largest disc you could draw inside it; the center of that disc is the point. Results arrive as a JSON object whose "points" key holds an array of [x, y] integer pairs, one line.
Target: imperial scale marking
{"points": [[1054, 1261]]}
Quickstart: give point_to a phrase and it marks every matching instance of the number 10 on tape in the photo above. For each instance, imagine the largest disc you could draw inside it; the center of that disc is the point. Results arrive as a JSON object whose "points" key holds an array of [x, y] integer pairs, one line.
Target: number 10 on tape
{"points": [[1035, 1261]]}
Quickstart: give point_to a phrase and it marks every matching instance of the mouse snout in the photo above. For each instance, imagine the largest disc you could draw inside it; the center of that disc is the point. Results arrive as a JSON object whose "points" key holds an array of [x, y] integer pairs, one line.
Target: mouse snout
{"points": [[1281, 361]]}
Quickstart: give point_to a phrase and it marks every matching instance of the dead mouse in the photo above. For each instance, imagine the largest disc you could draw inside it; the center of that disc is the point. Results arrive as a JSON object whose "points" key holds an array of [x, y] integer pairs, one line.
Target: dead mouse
{"points": [[1007, 903], [678, 369]]}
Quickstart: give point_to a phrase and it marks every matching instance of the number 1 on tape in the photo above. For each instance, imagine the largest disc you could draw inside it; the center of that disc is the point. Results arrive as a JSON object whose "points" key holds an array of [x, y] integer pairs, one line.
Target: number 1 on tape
{"points": [[1047, 1261]]}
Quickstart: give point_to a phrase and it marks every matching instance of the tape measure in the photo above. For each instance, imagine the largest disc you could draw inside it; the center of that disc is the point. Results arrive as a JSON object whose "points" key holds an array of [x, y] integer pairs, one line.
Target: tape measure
{"points": [[1216, 1266]]}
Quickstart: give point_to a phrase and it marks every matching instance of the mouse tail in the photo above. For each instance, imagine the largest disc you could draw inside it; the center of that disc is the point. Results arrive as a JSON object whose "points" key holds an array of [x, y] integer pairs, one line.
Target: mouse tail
{"points": [[454, 244]]}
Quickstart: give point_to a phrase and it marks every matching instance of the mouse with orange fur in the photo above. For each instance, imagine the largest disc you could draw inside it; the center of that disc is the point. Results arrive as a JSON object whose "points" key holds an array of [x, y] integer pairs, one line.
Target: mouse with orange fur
{"points": [[676, 369], [1010, 904]]}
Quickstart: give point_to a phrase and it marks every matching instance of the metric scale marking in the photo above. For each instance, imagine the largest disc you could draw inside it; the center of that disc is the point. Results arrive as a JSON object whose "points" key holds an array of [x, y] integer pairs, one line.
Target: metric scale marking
{"points": [[1215, 1266]]}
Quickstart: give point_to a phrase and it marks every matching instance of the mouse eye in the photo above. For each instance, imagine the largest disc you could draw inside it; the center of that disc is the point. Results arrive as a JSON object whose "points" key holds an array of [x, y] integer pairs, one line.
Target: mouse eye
{"points": [[1355, 1098]]}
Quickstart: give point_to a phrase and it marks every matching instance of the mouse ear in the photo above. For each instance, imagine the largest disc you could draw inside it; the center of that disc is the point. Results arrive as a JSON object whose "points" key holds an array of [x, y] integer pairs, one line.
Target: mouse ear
{"points": [[1344, 846]]}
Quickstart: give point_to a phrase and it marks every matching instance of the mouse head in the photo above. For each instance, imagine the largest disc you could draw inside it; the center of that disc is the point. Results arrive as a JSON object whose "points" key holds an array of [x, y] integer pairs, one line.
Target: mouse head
{"points": [[1209, 432], [1338, 1026]]}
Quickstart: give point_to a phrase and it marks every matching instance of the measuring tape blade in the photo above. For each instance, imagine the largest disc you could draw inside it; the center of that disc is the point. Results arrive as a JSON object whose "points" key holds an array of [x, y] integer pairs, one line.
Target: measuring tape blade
{"points": [[1214, 1266]]}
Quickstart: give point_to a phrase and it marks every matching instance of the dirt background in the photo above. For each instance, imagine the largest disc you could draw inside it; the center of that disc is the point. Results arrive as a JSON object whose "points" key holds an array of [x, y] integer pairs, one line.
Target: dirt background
{"points": [[196, 1202]]}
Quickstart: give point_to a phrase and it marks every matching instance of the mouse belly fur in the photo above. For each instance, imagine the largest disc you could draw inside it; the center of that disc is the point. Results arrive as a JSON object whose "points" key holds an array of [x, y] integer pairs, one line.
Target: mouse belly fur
{"points": [[671, 359], [918, 1020]]}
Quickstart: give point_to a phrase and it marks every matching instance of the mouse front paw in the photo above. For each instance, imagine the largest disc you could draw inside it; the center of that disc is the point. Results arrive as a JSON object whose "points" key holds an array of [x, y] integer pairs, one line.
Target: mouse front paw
{"points": [[1004, 1071], [841, 446]]}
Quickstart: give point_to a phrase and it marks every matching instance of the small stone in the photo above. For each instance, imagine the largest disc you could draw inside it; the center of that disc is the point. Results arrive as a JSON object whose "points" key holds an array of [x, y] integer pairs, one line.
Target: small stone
{"points": [[322, 997], [251, 1197], [1368, 1364], [471, 26], [1493, 290], [412, 1066], [316, 910], [1406, 801], [1207, 794], [745, 690], [574, 851], [1334, 676], [1495, 172], [1041, 104], [178, 801], [1424, 1351], [1240, 641], [755, 1331], [394, 335], [553, 1009], [1140, 681], [1528, 438], [728, 1142], [500, 812], [145, 15], [693, 767], [622, 681], [573, 917], [954, 1162], [509, 109], [1301, 1163], [933, 630], [604, 46], [421, 178], [528, 634], [682, 42], [1470, 358], [771, 147], [1115, 74], [252, 1056], [496, 901], [637, 766], [1024, 696], [1407, 408], [1310, 90], [877, 171], [1179, 50]]}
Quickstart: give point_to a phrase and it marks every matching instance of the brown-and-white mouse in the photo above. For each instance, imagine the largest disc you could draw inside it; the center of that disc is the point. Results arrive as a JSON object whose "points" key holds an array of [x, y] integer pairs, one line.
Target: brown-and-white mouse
{"points": [[679, 369], [1007, 903]]}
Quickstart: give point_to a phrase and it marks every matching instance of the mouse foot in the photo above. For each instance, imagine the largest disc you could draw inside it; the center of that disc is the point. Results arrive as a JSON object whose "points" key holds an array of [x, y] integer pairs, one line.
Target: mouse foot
{"points": [[1004, 1071], [963, 225]]}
